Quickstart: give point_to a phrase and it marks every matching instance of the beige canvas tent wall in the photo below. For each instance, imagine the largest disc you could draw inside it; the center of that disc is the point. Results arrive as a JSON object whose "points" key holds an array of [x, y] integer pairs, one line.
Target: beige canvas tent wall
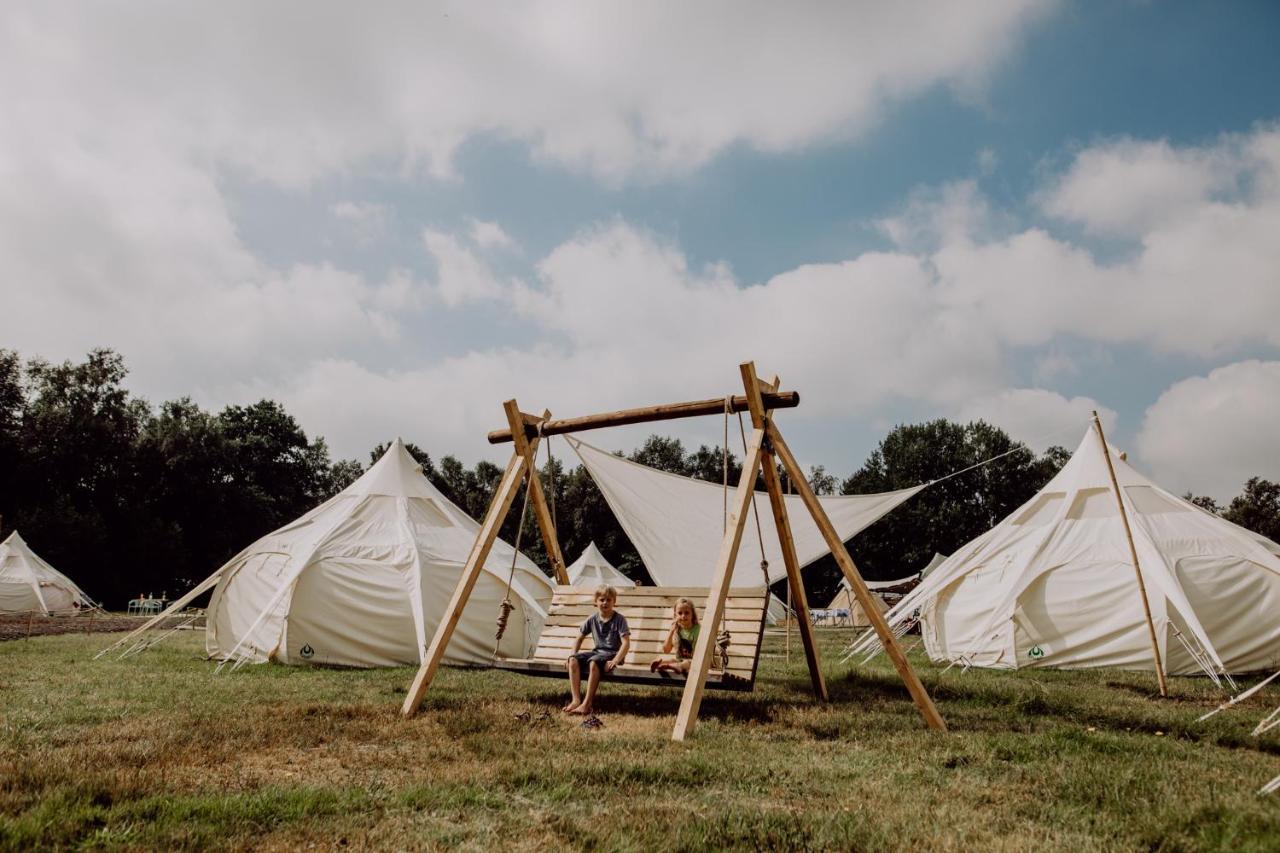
{"points": [[363, 579], [592, 569], [29, 584], [1053, 585]]}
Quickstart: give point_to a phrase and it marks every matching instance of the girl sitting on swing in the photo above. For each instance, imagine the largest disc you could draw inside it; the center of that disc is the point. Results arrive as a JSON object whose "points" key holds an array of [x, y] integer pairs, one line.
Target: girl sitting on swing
{"points": [[682, 638]]}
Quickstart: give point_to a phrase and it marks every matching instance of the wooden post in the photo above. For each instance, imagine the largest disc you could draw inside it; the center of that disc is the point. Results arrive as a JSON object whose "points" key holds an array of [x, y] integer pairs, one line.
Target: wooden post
{"points": [[691, 699], [918, 693], [536, 495], [1133, 553], [498, 509], [795, 585]]}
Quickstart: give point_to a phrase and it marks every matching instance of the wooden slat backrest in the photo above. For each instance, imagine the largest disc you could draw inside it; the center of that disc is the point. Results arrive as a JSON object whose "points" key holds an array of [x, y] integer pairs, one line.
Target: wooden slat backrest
{"points": [[648, 610]]}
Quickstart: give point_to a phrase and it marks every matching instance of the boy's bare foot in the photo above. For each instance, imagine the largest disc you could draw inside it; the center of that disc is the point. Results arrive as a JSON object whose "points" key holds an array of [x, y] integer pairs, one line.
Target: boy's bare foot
{"points": [[581, 710], [570, 706]]}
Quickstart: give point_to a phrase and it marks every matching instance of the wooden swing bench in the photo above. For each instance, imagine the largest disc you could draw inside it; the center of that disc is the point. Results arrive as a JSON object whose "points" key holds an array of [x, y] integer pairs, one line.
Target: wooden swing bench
{"points": [[648, 610], [648, 613]]}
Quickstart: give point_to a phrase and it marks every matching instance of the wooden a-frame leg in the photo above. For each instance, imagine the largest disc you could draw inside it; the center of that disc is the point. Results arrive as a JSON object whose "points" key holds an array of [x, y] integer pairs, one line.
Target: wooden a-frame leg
{"points": [[712, 615], [891, 646], [498, 509], [537, 496], [786, 541]]}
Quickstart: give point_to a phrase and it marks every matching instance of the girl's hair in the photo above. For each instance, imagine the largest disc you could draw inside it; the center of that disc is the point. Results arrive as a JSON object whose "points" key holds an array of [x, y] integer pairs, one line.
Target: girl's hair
{"points": [[692, 609]]}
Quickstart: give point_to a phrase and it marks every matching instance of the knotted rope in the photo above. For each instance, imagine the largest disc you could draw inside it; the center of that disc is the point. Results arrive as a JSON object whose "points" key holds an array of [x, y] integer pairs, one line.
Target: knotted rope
{"points": [[505, 606]]}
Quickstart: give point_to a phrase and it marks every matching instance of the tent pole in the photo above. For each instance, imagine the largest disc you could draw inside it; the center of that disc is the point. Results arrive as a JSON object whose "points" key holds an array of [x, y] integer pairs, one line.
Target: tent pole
{"points": [[503, 497], [713, 613], [919, 695], [538, 497], [795, 587], [1133, 553]]}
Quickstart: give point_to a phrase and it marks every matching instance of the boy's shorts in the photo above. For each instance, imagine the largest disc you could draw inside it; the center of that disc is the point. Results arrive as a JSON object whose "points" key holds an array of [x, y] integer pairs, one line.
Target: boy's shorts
{"points": [[600, 657]]}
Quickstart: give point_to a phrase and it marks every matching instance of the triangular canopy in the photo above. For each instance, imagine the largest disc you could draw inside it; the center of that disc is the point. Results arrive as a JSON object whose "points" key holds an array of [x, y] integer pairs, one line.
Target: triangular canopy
{"points": [[1054, 585], [591, 569], [28, 583], [677, 523], [364, 578]]}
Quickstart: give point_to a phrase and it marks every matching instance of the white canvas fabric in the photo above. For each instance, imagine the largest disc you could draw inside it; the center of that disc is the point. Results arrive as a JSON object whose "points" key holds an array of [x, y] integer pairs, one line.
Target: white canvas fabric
{"points": [[592, 569], [1053, 584], [363, 580], [677, 523], [777, 611], [28, 583], [938, 560]]}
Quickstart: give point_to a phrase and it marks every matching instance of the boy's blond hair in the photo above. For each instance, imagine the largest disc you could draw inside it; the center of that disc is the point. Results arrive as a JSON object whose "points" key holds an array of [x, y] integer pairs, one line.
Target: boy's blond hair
{"points": [[607, 591]]}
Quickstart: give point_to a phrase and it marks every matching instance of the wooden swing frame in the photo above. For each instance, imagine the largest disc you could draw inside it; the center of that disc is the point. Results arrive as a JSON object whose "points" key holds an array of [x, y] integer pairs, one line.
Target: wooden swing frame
{"points": [[765, 448]]}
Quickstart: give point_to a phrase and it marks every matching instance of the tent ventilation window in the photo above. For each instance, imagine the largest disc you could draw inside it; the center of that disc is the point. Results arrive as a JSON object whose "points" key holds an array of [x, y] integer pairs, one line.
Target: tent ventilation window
{"points": [[1148, 501], [1042, 511], [1093, 503]]}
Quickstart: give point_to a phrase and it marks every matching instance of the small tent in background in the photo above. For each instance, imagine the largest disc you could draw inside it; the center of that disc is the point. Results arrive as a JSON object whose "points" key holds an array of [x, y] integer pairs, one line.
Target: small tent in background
{"points": [[28, 583], [777, 611], [364, 578], [1053, 585], [844, 599], [592, 569]]}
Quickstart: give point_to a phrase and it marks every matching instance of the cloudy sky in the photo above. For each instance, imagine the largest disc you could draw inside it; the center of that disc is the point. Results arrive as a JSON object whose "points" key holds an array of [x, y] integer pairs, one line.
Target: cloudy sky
{"points": [[394, 217]]}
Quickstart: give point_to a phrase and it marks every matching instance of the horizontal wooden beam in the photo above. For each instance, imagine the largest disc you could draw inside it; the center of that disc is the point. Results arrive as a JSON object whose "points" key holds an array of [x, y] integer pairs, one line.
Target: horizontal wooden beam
{"points": [[646, 414]]}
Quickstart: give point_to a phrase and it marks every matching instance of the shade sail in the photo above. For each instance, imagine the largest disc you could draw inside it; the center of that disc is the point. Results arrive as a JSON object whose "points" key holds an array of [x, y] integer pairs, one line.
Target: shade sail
{"points": [[677, 523]]}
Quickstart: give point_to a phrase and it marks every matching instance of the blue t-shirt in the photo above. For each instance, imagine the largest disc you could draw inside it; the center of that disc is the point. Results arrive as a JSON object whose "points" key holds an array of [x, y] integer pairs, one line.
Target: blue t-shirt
{"points": [[607, 635]]}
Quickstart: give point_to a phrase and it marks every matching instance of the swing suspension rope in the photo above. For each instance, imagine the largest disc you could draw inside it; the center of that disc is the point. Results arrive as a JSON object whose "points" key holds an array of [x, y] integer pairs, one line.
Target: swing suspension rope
{"points": [[505, 606], [723, 638]]}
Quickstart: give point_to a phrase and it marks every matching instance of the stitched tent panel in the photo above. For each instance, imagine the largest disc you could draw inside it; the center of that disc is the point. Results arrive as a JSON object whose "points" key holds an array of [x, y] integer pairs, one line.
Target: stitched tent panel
{"points": [[677, 523]]}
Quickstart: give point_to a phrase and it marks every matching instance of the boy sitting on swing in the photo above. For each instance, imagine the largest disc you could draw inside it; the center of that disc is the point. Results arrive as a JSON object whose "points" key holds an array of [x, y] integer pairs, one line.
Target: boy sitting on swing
{"points": [[611, 635]]}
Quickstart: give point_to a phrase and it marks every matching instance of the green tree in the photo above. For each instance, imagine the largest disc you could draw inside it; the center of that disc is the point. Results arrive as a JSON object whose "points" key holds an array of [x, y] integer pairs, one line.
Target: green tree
{"points": [[947, 514], [1257, 508]]}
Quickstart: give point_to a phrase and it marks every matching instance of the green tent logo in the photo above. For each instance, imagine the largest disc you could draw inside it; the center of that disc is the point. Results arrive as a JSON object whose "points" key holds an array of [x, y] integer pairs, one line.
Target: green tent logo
{"points": [[1035, 653], [306, 652]]}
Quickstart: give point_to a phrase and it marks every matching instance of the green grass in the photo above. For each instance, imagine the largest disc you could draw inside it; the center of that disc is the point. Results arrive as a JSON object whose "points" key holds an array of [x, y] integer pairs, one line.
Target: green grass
{"points": [[159, 752]]}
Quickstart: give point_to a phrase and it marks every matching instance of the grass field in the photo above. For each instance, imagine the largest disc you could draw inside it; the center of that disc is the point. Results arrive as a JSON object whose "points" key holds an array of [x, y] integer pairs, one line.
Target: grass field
{"points": [[159, 752]]}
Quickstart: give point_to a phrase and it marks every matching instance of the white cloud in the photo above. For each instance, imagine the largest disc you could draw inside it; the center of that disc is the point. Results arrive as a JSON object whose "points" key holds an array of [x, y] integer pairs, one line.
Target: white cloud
{"points": [[1129, 188], [1038, 417], [461, 277], [1209, 434], [1202, 281], [616, 90], [490, 235]]}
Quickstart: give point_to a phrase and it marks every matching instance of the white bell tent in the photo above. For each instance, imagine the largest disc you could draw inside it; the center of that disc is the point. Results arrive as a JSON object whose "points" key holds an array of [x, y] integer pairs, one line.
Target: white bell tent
{"points": [[29, 584], [676, 523], [592, 569], [845, 600], [364, 578], [1054, 585]]}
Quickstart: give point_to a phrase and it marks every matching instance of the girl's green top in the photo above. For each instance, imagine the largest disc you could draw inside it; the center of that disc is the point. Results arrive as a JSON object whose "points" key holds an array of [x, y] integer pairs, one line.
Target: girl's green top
{"points": [[686, 639]]}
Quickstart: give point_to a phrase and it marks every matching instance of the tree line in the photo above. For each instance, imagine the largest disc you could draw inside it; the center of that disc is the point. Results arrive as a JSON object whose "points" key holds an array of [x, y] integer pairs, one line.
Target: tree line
{"points": [[129, 498]]}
